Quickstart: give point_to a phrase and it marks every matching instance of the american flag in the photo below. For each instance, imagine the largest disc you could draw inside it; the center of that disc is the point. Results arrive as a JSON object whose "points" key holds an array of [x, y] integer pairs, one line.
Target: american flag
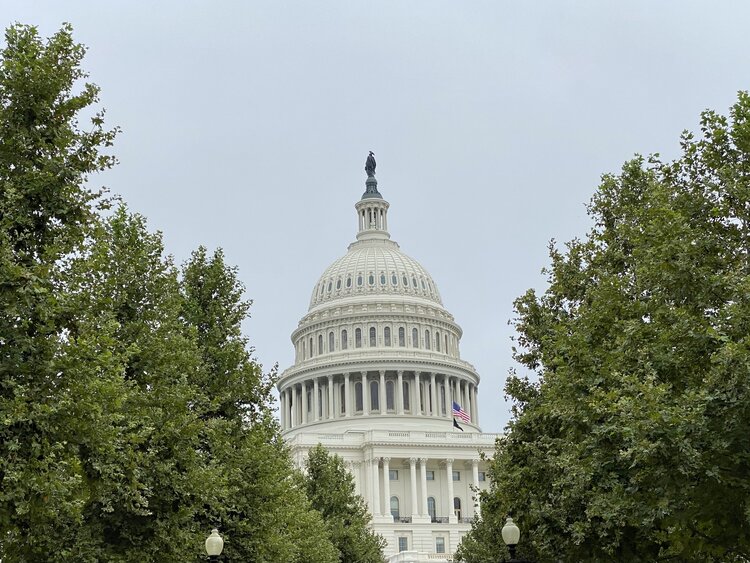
{"points": [[458, 412]]}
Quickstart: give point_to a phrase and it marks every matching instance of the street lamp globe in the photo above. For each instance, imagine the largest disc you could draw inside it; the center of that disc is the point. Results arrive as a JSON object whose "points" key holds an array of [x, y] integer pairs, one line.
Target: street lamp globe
{"points": [[511, 533], [214, 544]]}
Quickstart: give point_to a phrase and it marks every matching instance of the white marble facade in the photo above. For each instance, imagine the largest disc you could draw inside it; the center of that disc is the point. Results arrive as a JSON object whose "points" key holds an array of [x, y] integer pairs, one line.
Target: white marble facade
{"points": [[377, 369]]}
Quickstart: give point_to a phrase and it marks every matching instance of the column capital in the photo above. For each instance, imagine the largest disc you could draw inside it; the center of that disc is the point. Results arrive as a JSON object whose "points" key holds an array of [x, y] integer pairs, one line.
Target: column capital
{"points": [[355, 463], [475, 461], [346, 374], [412, 461], [386, 460], [400, 372], [363, 373], [376, 461], [449, 461], [423, 460], [382, 373]]}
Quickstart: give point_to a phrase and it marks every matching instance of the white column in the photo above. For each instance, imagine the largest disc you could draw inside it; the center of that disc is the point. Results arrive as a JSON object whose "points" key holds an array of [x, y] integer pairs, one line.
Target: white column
{"points": [[375, 486], [381, 388], [423, 475], [305, 405], [447, 388], [416, 404], [433, 393], [476, 406], [347, 396], [400, 392], [292, 407], [386, 487], [475, 475], [365, 395], [467, 408], [449, 476], [356, 472], [316, 400], [413, 476], [282, 411], [331, 403]]}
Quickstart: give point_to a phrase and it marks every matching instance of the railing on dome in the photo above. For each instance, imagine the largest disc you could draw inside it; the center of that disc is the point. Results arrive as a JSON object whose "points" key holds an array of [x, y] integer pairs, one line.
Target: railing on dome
{"points": [[439, 520], [390, 354]]}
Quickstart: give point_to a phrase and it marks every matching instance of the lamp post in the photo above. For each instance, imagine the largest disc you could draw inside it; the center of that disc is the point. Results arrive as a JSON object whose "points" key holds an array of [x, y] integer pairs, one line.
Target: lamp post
{"points": [[214, 546], [511, 535]]}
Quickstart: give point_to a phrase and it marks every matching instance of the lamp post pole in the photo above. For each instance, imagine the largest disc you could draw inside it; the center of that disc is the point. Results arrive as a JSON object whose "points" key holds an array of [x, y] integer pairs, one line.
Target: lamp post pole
{"points": [[511, 535]]}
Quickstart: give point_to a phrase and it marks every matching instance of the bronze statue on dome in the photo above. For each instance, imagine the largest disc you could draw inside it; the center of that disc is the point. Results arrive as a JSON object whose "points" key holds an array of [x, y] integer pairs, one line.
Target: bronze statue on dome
{"points": [[370, 165]]}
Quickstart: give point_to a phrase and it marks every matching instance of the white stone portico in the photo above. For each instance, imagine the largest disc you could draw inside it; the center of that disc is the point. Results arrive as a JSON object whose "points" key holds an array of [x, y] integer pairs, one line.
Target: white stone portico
{"points": [[377, 370]]}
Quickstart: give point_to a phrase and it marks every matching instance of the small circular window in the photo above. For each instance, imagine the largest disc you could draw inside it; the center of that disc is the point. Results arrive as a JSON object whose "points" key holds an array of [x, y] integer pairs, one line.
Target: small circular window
{"points": [[394, 279]]}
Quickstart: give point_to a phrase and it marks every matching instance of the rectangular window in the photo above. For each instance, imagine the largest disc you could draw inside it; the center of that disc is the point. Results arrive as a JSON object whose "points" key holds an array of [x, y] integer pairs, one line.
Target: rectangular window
{"points": [[393, 474], [482, 476], [439, 545], [403, 543], [430, 475], [456, 475]]}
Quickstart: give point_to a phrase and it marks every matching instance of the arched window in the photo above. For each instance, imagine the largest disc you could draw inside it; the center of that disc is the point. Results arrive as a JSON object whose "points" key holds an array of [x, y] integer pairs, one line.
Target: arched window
{"points": [[414, 281], [374, 396], [394, 279], [330, 341], [382, 278], [406, 395], [348, 281], [390, 399], [457, 507], [342, 398], [371, 279], [387, 335], [358, 396], [373, 339], [330, 286], [404, 279], [311, 348], [358, 338], [431, 508], [437, 341], [427, 339], [401, 336], [359, 280], [320, 344], [338, 283], [394, 508], [344, 340], [415, 338]]}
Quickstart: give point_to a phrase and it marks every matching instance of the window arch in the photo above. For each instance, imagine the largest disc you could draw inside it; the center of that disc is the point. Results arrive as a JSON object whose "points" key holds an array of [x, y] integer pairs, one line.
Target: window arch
{"points": [[344, 340], [401, 336], [394, 279], [358, 396], [348, 281], [371, 279], [338, 283], [374, 396], [342, 399], [431, 508], [404, 279], [330, 286], [405, 395], [330, 341], [437, 341], [415, 338], [427, 339], [457, 507], [394, 507], [358, 338], [390, 396], [387, 336], [359, 280], [414, 282], [382, 278], [320, 344], [373, 337]]}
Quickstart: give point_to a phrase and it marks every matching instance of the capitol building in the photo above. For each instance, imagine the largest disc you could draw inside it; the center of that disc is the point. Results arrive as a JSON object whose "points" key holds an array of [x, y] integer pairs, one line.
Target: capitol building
{"points": [[378, 379]]}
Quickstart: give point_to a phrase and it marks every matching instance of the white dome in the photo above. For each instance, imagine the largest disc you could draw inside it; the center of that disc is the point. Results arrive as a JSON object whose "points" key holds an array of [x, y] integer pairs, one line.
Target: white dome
{"points": [[375, 266]]}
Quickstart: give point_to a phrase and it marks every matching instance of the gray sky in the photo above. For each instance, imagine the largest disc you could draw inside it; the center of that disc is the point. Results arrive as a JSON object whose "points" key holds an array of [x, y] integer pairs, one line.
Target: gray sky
{"points": [[246, 126]]}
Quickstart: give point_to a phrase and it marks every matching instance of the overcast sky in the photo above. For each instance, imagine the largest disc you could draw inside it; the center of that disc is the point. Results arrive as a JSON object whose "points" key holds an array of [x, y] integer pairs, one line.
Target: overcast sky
{"points": [[246, 126]]}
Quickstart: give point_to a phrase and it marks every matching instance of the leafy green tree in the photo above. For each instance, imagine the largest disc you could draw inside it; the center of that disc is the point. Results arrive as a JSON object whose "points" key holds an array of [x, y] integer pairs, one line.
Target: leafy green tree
{"points": [[45, 212], [633, 443], [132, 417], [330, 487]]}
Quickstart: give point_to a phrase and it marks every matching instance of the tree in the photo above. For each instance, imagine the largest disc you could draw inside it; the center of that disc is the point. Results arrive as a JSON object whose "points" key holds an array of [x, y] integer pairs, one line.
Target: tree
{"points": [[330, 488], [633, 443], [132, 416]]}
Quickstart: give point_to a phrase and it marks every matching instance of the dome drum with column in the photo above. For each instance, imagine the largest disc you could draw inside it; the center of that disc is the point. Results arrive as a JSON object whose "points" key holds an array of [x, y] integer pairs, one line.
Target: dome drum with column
{"points": [[376, 375]]}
